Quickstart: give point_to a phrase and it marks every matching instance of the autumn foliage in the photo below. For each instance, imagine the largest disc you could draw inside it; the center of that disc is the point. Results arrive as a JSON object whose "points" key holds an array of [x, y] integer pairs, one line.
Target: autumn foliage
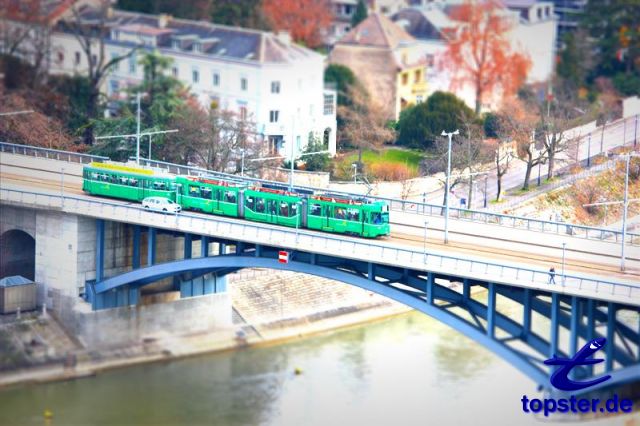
{"points": [[306, 20], [479, 52]]}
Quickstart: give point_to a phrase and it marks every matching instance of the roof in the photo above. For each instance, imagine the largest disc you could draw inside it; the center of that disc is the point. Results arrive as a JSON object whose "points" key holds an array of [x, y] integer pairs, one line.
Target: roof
{"points": [[14, 280], [377, 30], [216, 40], [423, 23], [45, 11]]}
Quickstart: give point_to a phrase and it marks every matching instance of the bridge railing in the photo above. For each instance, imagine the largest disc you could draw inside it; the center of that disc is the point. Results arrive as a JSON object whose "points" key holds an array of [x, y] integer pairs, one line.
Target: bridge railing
{"points": [[354, 248], [428, 209], [407, 206], [54, 154]]}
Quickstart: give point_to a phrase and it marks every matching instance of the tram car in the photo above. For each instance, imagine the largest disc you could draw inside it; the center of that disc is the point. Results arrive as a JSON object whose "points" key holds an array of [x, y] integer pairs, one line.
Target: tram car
{"points": [[270, 203]]}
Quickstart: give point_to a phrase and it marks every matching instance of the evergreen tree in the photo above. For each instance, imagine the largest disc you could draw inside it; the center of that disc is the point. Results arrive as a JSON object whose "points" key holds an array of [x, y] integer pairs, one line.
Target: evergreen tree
{"points": [[360, 13]]}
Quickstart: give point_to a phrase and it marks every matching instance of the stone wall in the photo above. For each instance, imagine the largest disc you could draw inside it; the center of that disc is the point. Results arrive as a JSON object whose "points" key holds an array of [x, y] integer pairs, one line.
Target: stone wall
{"points": [[300, 177], [118, 327]]}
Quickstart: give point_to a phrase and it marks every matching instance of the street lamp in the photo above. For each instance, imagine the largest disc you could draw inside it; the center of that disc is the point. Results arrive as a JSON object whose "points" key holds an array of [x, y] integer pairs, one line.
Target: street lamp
{"points": [[355, 172], [564, 248], [426, 224], [447, 195]]}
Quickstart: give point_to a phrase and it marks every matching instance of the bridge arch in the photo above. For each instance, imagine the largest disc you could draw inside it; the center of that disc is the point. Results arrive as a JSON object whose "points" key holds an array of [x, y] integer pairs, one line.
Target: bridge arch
{"points": [[17, 254]]}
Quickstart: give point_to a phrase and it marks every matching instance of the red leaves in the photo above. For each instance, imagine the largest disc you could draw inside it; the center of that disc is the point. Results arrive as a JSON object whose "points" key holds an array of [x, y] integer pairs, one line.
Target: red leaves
{"points": [[479, 51], [306, 20]]}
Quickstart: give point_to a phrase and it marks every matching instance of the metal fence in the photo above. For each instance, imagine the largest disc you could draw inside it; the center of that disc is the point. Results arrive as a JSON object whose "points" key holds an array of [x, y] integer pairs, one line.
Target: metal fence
{"points": [[54, 154], [407, 206], [353, 248]]}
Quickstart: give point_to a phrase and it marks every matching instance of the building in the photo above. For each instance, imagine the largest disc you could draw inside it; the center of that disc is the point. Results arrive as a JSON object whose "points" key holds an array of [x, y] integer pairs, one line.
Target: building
{"points": [[343, 11], [263, 77], [533, 32], [385, 59], [568, 14]]}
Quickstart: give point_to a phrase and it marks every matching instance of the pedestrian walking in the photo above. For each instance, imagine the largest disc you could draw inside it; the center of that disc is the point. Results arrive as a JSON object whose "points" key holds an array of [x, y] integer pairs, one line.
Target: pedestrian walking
{"points": [[552, 275]]}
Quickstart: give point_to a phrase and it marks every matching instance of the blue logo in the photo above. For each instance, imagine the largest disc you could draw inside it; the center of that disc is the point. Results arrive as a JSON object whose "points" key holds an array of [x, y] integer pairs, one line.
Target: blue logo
{"points": [[560, 378]]}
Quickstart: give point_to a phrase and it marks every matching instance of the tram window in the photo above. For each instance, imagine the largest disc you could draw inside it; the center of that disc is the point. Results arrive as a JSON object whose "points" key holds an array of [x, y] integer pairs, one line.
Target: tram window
{"points": [[385, 217], [194, 191], [284, 209], [133, 182], [94, 176], [250, 202], [294, 209], [260, 205], [353, 214], [340, 213], [230, 197], [206, 193], [376, 218], [272, 206], [316, 210]]}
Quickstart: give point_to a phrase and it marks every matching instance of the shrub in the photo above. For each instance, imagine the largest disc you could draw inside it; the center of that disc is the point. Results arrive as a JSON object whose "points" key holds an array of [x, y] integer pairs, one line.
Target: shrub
{"points": [[392, 171]]}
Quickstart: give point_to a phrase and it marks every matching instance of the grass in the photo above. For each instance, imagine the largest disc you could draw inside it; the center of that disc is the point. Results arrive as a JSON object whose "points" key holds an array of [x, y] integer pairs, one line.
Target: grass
{"points": [[409, 158]]}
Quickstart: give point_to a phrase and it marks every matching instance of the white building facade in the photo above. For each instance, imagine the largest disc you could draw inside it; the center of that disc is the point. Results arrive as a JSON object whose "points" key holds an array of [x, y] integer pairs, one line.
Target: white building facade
{"points": [[261, 76]]}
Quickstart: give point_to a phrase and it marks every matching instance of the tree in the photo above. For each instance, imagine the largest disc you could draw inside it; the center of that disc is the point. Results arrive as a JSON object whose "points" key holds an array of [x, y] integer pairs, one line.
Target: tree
{"points": [[614, 26], [91, 35], [364, 123], [239, 13], [478, 51], [420, 125], [186, 9], [517, 125], [343, 78], [25, 32], [36, 129], [316, 162], [212, 138], [306, 20], [360, 14]]}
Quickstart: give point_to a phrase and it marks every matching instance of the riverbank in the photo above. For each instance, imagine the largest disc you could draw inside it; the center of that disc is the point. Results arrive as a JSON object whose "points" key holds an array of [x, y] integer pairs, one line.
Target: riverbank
{"points": [[268, 308]]}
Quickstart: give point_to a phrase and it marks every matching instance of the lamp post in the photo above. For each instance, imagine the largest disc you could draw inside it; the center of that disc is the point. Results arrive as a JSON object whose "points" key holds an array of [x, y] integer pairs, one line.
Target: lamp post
{"points": [[589, 152], [138, 136], [486, 178], [424, 249], [355, 172], [447, 195], [564, 248], [138, 129], [242, 164]]}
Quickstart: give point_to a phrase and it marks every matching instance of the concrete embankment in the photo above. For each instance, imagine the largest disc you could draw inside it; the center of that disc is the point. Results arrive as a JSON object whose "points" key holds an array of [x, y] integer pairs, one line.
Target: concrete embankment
{"points": [[268, 307]]}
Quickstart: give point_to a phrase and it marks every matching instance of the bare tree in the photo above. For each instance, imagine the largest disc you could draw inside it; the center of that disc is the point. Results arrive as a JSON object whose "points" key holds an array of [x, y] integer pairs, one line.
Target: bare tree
{"points": [[214, 139], [503, 156], [25, 32], [364, 123], [475, 154], [517, 125], [92, 32]]}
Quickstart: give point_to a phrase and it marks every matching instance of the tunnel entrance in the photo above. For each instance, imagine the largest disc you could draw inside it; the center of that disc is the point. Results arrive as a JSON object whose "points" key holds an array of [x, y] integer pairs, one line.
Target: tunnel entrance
{"points": [[17, 254]]}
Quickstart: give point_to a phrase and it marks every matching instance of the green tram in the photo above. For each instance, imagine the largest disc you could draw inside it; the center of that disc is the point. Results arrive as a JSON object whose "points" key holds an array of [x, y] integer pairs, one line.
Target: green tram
{"points": [[129, 183], [321, 212]]}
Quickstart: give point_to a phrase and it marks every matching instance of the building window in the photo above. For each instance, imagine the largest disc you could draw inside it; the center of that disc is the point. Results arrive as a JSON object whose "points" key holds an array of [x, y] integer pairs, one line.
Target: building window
{"points": [[416, 77], [273, 116], [197, 47], [275, 87], [94, 60], [116, 65], [328, 104], [195, 76], [405, 78], [113, 87], [174, 72], [216, 79], [132, 65], [539, 13], [77, 58], [175, 44], [419, 99], [60, 57], [430, 61], [243, 112], [244, 84]]}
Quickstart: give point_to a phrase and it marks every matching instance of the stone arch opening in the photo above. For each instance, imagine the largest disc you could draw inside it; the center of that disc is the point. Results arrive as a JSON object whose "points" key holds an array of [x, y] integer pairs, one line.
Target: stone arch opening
{"points": [[17, 254], [326, 136]]}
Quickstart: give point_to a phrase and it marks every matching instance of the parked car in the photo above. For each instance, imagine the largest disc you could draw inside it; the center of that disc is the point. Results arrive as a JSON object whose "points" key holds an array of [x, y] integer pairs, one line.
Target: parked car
{"points": [[161, 204]]}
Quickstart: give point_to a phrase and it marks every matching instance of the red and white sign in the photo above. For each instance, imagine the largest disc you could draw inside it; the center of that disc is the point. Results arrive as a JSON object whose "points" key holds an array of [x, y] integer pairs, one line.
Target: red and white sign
{"points": [[283, 256]]}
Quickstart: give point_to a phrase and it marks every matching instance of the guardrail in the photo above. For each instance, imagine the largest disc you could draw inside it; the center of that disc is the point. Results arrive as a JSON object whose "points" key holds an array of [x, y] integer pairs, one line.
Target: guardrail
{"points": [[353, 248], [55, 154], [408, 206]]}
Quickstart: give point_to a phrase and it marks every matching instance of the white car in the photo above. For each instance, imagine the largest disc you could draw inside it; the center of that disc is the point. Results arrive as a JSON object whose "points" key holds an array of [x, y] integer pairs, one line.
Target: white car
{"points": [[161, 204]]}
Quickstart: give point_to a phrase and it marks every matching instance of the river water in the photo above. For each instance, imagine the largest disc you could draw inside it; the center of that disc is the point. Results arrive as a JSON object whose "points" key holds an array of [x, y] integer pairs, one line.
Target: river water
{"points": [[407, 370]]}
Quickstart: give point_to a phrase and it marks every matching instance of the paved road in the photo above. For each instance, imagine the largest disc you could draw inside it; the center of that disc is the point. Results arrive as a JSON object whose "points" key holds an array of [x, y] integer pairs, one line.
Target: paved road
{"points": [[591, 144]]}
